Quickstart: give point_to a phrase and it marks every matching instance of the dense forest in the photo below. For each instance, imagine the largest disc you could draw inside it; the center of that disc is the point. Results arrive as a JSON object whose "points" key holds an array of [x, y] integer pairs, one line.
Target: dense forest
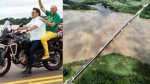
{"points": [[15, 21], [125, 6], [112, 68], [72, 5]]}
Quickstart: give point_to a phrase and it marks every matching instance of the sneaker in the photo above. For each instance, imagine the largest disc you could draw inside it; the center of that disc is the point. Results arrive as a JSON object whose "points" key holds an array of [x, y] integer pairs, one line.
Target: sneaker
{"points": [[27, 71], [45, 57]]}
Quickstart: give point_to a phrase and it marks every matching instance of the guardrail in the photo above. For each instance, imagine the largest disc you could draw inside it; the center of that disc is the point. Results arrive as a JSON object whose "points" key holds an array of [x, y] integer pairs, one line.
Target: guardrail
{"points": [[103, 47]]}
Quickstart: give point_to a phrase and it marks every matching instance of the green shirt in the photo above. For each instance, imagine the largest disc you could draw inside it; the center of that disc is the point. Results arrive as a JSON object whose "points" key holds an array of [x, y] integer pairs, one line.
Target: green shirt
{"points": [[52, 18]]}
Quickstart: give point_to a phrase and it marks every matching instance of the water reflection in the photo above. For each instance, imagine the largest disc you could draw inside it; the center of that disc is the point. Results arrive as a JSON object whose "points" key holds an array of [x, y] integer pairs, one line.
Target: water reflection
{"points": [[86, 31], [103, 9], [134, 41]]}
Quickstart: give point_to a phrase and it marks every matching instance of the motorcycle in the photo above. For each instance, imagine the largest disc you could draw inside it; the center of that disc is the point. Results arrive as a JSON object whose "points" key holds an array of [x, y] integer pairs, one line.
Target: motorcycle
{"points": [[14, 47], [58, 41]]}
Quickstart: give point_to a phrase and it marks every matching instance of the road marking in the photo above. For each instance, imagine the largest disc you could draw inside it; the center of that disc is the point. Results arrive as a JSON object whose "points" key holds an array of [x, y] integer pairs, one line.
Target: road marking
{"points": [[42, 80], [47, 82]]}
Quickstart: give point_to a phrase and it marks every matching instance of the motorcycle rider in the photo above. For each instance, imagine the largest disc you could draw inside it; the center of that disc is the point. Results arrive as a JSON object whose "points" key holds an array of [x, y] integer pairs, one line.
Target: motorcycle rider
{"points": [[36, 28], [52, 21]]}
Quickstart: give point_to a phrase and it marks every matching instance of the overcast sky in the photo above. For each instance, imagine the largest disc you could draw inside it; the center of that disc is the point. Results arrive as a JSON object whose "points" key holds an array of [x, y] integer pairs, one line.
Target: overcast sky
{"points": [[23, 8]]}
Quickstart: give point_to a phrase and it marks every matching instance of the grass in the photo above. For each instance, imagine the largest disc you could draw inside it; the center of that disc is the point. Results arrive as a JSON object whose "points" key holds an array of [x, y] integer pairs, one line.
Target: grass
{"points": [[112, 68], [125, 6], [77, 6], [70, 68], [146, 13]]}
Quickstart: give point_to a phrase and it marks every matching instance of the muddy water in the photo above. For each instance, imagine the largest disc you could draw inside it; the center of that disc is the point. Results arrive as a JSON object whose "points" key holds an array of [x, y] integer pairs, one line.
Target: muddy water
{"points": [[86, 31], [134, 41]]}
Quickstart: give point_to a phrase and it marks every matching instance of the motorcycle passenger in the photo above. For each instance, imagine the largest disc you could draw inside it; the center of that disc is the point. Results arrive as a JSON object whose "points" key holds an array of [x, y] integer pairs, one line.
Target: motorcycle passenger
{"points": [[36, 29], [52, 21]]}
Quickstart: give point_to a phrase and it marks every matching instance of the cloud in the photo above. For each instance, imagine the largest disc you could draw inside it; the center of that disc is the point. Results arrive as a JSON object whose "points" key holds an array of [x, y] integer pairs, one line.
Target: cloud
{"points": [[23, 8]]}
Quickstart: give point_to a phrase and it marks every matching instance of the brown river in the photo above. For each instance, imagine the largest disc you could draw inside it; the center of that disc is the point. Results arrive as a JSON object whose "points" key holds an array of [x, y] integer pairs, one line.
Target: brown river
{"points": [[86, 31]]}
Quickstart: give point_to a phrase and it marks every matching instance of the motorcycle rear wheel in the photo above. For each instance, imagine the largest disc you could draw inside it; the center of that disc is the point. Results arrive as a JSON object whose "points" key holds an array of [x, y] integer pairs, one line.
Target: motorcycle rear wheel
{"points": [[58, 55]]}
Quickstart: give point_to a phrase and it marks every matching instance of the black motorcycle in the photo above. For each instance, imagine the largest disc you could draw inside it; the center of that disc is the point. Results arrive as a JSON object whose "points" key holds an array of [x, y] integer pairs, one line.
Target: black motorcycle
{"points": [[14, 47]]}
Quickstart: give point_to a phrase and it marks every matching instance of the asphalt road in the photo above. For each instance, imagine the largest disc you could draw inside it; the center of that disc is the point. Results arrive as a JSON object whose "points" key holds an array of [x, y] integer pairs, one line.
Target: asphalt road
{"points": [[38, 76]]}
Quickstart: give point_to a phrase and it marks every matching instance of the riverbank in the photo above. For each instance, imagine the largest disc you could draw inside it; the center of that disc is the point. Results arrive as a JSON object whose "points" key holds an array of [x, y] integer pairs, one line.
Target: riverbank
{"points": [[111, 68], [124, 6]]}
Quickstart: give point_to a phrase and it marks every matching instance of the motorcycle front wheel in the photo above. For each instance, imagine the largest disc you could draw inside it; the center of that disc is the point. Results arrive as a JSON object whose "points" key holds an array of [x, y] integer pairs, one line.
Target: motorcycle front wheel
{"points": [[56, 63], [5, 65]]}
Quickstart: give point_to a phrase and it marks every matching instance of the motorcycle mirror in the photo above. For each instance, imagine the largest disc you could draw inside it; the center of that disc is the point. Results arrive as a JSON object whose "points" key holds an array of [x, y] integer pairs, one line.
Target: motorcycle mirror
{"points": [[21, 25]]}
